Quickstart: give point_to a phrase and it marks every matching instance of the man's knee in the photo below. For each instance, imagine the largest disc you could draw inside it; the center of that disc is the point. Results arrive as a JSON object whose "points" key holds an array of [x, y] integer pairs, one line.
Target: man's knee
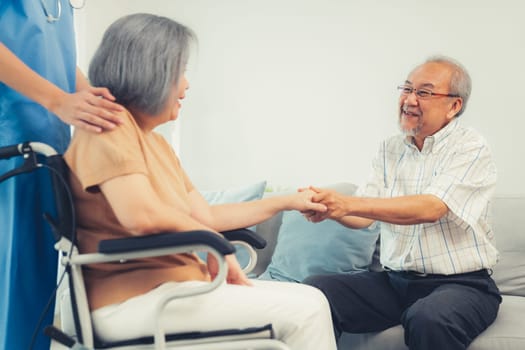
{"points": [[325, 284], [421, 318], [430, 327], [318, 281], [328, 284]]}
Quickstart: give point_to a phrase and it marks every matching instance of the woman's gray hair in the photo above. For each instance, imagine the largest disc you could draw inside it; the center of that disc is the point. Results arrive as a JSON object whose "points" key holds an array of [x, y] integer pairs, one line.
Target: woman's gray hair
{"points": [[141, 59], [460, 82]]}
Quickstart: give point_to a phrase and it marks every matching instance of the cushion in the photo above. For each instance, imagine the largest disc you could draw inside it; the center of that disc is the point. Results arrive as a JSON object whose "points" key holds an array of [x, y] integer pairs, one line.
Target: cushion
{"points": [[268, 230], [509, 272], [304, 248], [235, 195]]}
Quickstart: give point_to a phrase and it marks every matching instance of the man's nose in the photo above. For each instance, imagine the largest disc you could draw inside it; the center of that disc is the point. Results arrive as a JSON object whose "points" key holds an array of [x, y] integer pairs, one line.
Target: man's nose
{"points": [[410, 99]]}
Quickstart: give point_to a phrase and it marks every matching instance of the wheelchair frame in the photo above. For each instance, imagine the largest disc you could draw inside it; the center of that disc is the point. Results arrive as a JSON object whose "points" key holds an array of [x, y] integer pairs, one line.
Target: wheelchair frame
{"points": [[64, 231]]}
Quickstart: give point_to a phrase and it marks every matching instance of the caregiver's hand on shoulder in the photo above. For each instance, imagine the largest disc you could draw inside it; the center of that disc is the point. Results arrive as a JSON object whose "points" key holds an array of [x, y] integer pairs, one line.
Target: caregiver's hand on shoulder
{"points": [[91, 109]]}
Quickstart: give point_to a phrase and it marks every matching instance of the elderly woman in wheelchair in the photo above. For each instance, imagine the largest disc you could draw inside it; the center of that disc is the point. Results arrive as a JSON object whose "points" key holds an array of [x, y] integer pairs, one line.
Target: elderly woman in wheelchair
{"points": [[128, 182]]}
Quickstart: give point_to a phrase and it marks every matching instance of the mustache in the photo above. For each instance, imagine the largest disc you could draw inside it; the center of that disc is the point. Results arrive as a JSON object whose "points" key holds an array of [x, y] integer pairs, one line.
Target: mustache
{"points": [[412, 112]]}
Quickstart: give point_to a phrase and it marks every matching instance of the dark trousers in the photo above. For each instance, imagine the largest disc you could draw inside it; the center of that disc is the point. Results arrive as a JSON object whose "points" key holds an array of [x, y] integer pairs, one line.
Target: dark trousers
{"points": [[437, 311]]}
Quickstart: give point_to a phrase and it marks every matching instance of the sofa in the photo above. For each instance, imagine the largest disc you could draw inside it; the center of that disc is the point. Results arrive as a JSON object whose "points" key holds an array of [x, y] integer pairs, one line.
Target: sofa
{"points": [[507, 332]]}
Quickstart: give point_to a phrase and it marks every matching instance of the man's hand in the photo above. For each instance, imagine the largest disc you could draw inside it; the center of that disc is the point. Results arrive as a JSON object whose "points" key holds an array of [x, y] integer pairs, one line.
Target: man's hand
{"points": [[334, 202], [91, 109], [235, 273]]}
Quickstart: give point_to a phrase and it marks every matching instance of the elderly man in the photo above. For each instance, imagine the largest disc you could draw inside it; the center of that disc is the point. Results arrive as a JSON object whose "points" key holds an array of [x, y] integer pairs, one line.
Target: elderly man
{"points": [[430, 190]]}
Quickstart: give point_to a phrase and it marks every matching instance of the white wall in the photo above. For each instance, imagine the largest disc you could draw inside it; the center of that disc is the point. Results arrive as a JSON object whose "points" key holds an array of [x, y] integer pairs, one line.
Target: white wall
{"points": [[300, 92]]}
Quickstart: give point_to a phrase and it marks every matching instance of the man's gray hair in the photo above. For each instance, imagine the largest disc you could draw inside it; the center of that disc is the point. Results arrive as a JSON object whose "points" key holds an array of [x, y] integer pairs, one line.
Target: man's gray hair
{"points": [[141, 59], [460, 82]]}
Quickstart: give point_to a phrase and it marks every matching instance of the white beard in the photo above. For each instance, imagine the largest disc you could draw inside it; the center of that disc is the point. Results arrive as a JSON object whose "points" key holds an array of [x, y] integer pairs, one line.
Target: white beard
{"points": [[409, 132]]}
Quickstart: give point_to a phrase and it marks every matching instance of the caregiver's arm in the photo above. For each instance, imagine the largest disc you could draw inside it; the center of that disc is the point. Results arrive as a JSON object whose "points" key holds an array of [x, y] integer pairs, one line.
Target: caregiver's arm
{"points": [[90, 109]]}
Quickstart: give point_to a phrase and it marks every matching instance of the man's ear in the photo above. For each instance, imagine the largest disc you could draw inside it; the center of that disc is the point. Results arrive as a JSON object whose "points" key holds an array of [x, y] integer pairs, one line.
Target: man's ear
{"points": [[455, 108]]}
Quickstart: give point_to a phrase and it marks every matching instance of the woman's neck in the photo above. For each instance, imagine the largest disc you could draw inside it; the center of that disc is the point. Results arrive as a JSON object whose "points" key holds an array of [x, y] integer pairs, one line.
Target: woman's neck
{"points": [[147, 122]]}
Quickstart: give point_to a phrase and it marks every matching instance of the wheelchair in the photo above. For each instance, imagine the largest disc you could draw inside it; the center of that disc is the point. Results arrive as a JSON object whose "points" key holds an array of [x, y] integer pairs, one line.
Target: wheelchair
{"points": [[63, 226]]}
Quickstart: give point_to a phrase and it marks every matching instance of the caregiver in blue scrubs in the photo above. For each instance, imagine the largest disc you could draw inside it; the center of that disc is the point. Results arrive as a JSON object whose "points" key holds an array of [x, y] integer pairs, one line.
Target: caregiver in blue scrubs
{"points": [[42, 92]]}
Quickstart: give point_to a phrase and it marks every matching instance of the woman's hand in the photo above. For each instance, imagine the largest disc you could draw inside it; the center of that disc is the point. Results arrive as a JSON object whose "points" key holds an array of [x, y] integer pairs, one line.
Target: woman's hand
{"points": [[235, 273], [303, 201], [91, 109]]}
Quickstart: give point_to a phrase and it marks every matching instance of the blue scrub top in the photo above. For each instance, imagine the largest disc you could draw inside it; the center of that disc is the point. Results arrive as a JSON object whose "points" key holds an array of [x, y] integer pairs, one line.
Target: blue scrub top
{"points": [[47, 48], [28, 262]]}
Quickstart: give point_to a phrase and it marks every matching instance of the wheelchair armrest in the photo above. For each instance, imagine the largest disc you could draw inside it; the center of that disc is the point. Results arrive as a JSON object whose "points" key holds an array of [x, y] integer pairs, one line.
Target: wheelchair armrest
{"points": [[160, 244], [245, 235], [166, 240]]}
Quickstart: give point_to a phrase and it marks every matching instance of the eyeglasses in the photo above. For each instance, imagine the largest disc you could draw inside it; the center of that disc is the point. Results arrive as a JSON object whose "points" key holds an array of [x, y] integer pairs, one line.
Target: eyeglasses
{"points": [[421, 93]]}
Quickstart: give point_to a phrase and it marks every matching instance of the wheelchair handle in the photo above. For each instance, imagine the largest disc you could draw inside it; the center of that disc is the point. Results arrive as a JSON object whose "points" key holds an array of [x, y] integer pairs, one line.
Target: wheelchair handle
{"points": [[7, 152]]}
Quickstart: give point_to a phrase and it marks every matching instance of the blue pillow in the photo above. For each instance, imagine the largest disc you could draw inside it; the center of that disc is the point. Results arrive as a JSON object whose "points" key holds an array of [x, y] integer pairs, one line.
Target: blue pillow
{"points": [[305, 248], [235, 195]]}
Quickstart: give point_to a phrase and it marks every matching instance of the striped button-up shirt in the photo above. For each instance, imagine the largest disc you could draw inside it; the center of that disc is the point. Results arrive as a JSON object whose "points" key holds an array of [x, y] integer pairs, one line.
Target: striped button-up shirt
{"points": [[455, 165]]}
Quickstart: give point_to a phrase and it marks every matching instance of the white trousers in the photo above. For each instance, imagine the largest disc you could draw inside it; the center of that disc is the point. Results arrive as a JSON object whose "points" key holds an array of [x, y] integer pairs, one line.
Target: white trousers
{"points": [[300, 314]]}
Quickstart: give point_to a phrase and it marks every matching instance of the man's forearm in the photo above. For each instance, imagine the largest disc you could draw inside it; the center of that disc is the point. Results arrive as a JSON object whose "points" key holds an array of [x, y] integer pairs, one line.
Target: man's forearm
{"points": [[405, 210], [355, 222]]}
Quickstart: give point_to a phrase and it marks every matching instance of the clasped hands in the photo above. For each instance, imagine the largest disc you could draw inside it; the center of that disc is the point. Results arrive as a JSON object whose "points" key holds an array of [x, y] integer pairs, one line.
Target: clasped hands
{"points": [[314, 203], [325, 204]]}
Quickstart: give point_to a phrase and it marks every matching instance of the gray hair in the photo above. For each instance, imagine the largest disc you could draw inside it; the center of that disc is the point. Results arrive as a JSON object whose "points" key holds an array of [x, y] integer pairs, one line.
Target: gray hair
{"points": [[460, 82], [141, 59]]}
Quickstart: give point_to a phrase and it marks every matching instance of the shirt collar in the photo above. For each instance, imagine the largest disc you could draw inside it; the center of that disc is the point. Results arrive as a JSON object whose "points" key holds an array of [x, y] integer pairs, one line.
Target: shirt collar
{"points": [[434, 143]]}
